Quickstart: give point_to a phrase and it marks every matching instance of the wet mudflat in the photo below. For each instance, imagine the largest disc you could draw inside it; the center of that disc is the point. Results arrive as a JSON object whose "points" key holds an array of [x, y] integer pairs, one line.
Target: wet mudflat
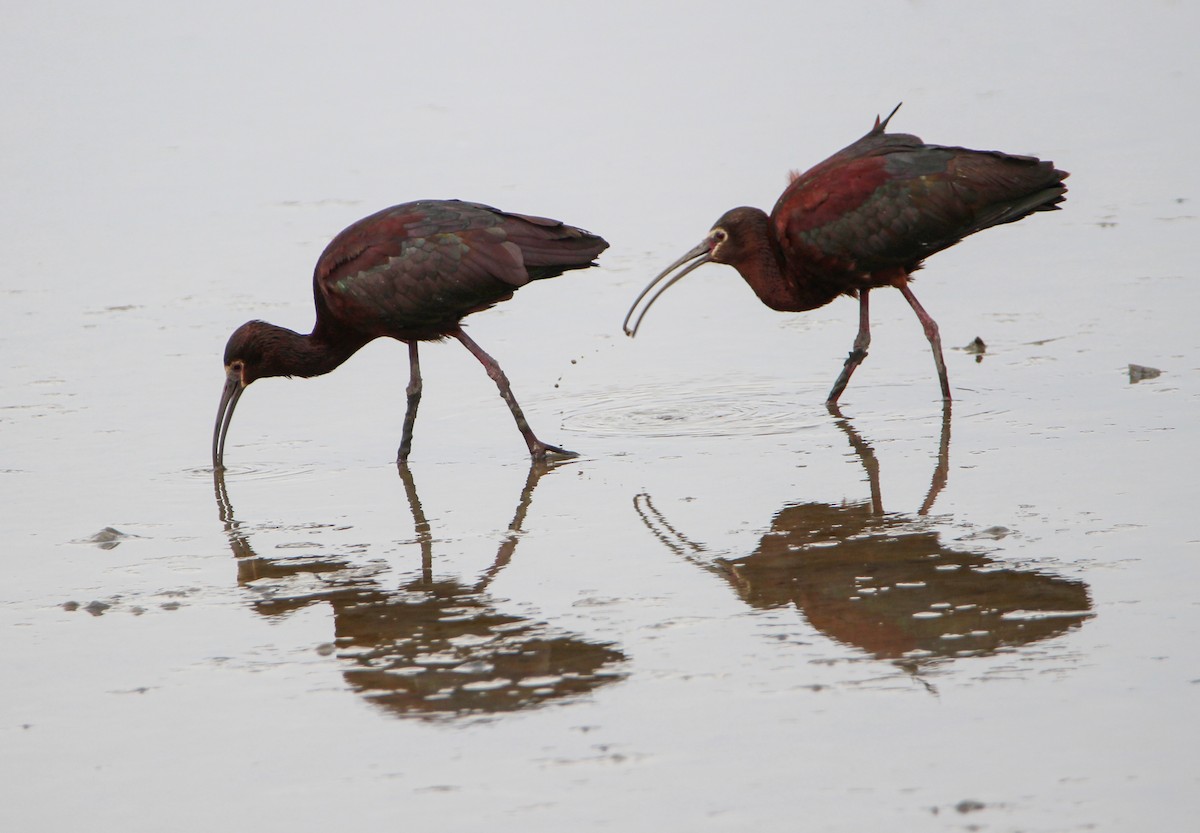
{"points": [[736, 608]]}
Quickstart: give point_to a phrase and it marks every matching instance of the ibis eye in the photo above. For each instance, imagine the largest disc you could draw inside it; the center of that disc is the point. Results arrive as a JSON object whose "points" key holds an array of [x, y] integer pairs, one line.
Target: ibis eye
{"points": [[719, 236]]}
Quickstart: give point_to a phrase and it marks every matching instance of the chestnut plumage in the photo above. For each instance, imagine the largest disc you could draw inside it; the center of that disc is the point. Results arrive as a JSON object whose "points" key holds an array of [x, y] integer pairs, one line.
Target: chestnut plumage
{"points": [[864, 218], [411, 272]]}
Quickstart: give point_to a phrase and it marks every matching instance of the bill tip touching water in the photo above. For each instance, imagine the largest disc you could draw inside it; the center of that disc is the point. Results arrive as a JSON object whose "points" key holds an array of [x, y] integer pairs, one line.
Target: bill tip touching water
{"points": [[866, 218], [411, 272]]}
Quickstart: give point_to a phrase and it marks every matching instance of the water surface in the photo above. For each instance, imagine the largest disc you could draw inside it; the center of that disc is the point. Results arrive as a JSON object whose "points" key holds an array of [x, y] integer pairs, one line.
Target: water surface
{"points": [[735, 609]]}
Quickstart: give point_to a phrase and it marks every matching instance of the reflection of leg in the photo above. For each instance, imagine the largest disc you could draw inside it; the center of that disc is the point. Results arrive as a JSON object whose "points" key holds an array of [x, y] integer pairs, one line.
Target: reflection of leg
{"points": [[942, 473], [509, 543], [537, 448], [859, 352], [866, 455], [931, 333], [414, 399], [420, 522]]}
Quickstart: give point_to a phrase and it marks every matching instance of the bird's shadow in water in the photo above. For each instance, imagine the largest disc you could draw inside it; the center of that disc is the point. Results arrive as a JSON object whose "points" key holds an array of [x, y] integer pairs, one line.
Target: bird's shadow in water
{"points": [[433, 648], [884, 582]]}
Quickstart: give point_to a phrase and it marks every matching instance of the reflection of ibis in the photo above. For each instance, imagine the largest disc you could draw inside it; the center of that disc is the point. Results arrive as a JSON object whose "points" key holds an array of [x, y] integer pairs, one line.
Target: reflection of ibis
{"points": [[435, 647], [885, 582]]}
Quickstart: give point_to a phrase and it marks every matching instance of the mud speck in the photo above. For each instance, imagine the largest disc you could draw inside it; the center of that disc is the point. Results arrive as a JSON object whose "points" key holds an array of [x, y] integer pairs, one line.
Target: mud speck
{"points": [[107, 538], [1140, 373]]}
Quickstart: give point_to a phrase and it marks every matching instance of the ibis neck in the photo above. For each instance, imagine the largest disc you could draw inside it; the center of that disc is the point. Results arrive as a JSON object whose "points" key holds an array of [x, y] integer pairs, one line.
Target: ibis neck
{"points": [[288, 353], [761, 265]]}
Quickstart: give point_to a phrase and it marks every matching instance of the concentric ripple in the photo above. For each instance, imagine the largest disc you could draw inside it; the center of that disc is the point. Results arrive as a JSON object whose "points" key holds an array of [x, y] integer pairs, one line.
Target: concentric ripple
{"points": [[702, 409], [260, 471]]}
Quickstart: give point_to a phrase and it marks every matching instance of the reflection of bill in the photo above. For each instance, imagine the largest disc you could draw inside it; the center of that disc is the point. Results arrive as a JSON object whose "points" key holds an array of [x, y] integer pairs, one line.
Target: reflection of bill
{"points": [[886, 583], [434, 647]]}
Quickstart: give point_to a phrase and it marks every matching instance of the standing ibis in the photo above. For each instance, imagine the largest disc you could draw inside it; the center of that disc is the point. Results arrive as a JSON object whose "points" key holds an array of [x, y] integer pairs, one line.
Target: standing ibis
{"points": [[864, 218], [411, 272]]}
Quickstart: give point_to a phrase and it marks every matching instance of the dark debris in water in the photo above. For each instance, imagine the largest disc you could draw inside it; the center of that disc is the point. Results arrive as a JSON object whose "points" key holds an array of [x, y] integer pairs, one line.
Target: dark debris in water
{"points": [[967, 805], [976, 348], [99, 608], [107, 538], [993, 532], [1139, 373]]}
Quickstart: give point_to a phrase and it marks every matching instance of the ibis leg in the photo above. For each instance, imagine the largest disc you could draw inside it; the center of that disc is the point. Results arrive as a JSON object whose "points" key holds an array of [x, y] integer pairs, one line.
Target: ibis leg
{"points": [[859, 352], [537, 448], [931, 333], [414, 399]]}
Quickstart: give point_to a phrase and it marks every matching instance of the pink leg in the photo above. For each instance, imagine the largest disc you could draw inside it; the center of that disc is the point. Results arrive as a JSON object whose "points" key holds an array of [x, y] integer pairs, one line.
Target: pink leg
{"points": [[861, 342], [414, 399], [931, 333], [537, 448]]}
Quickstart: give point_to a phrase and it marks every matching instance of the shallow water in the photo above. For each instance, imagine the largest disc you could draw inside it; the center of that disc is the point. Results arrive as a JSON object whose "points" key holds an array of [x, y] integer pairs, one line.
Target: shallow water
{"points": [[736, 608]]}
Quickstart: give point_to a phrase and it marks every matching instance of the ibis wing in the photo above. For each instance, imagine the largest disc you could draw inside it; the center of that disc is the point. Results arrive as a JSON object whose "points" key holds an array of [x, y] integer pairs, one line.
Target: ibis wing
{"points": [[418, 268], [891, 201]]}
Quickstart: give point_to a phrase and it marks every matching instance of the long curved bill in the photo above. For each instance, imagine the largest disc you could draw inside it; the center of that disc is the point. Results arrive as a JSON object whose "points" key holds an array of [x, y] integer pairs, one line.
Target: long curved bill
{"points": [[704, 255], [229, 397]]}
